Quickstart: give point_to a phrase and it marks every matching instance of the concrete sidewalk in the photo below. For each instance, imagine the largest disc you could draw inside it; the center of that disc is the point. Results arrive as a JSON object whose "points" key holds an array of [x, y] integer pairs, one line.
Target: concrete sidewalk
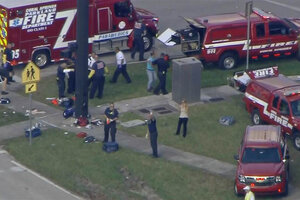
{"points": [[53, 117]]}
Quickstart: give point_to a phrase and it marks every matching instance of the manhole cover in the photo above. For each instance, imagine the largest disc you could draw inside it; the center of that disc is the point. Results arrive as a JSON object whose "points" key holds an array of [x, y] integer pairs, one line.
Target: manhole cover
{"points": [[144, 110], [216, 99]]}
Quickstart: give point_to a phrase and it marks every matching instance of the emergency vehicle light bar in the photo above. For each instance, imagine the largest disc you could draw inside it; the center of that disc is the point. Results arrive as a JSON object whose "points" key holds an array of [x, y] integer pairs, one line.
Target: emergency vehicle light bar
{"points": [[292, 92], [261, 13]]}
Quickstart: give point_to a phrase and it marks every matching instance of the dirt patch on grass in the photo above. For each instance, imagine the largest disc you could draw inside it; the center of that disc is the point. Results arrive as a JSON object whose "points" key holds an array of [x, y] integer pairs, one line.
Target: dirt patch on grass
{"points": [[137, 186], [90, 190]]}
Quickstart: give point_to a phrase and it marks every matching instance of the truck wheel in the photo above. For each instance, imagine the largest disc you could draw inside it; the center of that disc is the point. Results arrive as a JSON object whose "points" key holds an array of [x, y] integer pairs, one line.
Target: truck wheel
{"points": [[236, 192], [255, 116], [41, 58], [296, 140], [228, 60], [148, 42]]}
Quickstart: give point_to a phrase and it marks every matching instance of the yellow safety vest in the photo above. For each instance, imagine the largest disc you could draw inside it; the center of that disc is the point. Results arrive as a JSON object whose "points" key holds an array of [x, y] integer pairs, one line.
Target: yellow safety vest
{"points": [[249, 196]]}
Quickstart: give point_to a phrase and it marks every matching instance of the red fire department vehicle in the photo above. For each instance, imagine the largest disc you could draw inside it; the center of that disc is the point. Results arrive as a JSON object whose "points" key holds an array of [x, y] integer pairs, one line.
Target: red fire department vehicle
{"points": [[222, 38], [263, 161], [39, 30], [275, 99]]}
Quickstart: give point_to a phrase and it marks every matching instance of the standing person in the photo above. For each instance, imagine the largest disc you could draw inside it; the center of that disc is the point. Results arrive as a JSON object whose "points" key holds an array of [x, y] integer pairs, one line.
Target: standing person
{"points": [[138, 41], [4, 75], [151, 122], [121, 67], [91, 61], [60, 77], [249, 194], [162, 66], [71, 74], [7, 59], [150, 72], [183, 118], [111, 115], [97, 73]]}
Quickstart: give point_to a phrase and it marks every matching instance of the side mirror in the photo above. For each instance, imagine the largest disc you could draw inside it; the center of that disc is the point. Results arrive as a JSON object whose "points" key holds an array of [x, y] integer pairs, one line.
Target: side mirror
{"points": [[236, 157]]}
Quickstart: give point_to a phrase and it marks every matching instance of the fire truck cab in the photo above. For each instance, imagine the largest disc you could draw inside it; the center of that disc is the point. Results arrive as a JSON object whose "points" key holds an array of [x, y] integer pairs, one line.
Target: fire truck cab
{"points": [[275, 100], [39, 30], [222, 38]]}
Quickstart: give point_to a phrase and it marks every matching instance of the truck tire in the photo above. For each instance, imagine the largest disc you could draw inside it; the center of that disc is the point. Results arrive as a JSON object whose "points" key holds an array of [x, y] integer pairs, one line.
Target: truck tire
{"points": [[41, 58], [228, 60], [255, 116], [236, 190], [296, 140], [148, 42]]}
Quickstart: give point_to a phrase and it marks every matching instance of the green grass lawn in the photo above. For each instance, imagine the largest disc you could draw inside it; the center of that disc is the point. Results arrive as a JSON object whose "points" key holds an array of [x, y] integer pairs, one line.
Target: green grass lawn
{"points": [[211, 76], [86, 170], [8, 116], [206, 136]]}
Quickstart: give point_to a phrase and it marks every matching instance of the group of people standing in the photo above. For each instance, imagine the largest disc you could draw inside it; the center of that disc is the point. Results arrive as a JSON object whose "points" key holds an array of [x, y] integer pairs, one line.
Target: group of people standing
{"points": [[96, 76], [6, 69]]}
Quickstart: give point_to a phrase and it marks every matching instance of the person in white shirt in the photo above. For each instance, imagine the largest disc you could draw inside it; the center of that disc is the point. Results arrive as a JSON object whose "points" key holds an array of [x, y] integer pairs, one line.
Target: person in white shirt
{"points": [[183, 118], [121, 67]]}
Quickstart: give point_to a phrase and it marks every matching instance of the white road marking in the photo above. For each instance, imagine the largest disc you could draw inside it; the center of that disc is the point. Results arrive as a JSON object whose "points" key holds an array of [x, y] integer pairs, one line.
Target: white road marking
{"points": [[283, 5], [44, 179]]}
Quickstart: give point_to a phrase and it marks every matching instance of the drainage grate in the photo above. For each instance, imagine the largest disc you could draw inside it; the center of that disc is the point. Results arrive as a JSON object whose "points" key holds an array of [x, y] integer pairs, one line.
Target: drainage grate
{"points": [[144, 110], [165, 112], [159, 109], [216, 99]]}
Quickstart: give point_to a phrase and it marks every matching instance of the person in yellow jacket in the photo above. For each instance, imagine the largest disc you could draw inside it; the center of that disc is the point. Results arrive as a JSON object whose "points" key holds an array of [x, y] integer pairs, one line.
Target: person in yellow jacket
{"points": [[249, 194]]}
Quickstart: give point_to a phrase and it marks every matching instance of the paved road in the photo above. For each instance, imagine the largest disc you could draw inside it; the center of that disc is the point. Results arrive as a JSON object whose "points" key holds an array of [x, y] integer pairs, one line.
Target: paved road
{"points": [[19, 183]]}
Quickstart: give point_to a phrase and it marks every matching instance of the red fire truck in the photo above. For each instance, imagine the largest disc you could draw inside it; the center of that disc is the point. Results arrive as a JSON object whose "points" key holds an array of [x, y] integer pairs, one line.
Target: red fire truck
{"points": [[275, 99], [39, 30], [222, 38]]}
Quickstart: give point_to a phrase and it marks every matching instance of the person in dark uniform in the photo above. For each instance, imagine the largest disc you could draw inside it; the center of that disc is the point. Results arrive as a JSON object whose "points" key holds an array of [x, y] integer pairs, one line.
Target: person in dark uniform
{"points": [[71, 74], [138, 42], [111, 115], [60, 77], [97, 72], [151, 122], [4, 75], [7, 59], [162, 66], [121, 67]]}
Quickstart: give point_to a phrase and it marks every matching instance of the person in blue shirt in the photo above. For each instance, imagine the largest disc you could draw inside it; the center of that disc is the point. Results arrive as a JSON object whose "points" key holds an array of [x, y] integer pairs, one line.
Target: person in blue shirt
{"points": [[97, 72], [111, 115], [138, 41], [151, 72], [151, 122]]}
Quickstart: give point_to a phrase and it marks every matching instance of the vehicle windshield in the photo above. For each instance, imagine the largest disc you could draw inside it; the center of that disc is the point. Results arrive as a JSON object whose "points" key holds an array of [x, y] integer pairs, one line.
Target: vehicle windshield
{"points": [[261, 155], [296, 108]]}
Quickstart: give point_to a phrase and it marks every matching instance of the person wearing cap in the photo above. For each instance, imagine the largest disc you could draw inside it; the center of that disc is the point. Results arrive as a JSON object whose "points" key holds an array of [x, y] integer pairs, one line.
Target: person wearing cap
{"points": [[151, 122], [138, 42], [249, 194], [162, 66], [111, 115]]}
